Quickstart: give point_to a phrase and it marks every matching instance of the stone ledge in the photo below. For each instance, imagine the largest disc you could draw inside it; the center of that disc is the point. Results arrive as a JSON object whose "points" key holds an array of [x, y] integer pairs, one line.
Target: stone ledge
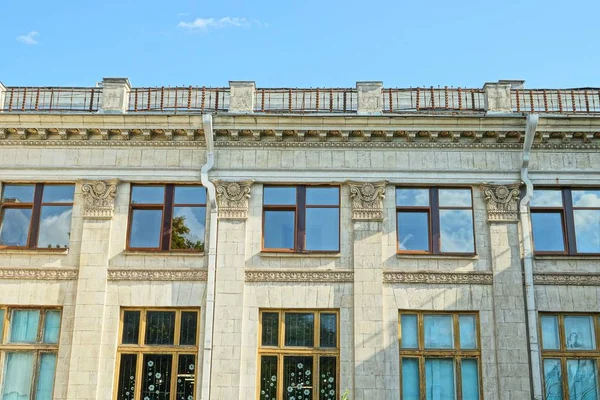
{"points": [[123, 274], [51, 274], [313, 276], [442, 278], [29, 252], [435, 257], [580, 279], [567, 258], [299, 255], [162, 253]]}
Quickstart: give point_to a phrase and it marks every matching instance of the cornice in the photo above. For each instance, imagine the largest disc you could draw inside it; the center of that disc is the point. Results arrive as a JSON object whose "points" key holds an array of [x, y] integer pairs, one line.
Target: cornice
{"points": [[567, 279], [439, 278], [157, 275], [299, 276], [50, 274]]}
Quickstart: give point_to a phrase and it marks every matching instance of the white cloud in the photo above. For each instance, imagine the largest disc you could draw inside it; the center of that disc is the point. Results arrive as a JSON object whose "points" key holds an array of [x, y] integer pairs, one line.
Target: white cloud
{"points": [[213, 23], [28, 38]]}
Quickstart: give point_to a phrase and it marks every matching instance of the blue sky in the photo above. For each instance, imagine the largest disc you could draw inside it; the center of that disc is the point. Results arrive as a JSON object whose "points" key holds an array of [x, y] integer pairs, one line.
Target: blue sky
{"points": [[304, 43]]}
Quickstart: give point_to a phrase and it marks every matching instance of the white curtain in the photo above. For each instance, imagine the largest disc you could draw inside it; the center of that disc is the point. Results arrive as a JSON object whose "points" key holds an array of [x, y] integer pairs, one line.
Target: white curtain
{"points": [[439, 379], [24, 326], [18, 371], [45, 380]]}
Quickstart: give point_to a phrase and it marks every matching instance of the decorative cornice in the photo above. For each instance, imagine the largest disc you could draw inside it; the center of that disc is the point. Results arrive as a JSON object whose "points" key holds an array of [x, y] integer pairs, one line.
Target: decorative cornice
{"points": [[367, 200], [299, 276], [99, 199], [439, 278], [103, 143], [232, 198], [567, 279], [50, 274], [502, 202], [157, 275]]}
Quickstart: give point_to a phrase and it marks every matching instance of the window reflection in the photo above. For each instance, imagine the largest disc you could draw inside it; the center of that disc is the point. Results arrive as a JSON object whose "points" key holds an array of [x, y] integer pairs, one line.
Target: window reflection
{"points": [[456, 231], [147, 194], [587, 230], [18, 193], [58, 194], [145, 229], [187, 229], [55, 227], [546, 198], [15, 226], [547, 231], [455, 197], [413, 231], [322, 226], [274, 195], [412, 197], [279, 229]]}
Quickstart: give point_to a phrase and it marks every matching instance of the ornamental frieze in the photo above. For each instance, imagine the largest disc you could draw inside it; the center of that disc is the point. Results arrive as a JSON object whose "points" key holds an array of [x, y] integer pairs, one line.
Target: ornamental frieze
{"points": [[299, 276], [502, 202], [439, 278], [50, 274], [157, 275], [567, 279]]}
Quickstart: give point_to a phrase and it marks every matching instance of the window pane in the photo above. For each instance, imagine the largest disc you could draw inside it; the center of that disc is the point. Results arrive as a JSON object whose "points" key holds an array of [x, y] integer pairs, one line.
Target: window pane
{"points": [[412, 197], [279, 195], [470, 379], [408, 326], [455, 197], [1, 324], [587, 230], [468, 332], [582, 376], [546, 198], [188, 228], [410, 379], [147, 194], [327, 381], [297, 378], [553, 379], [156, 381], [45, 378], [55, 227], [126, 383], [439, 332], [456, 231], [268, 377], [279, 229], [413, 231], [15, 226], [328, 330], [58, 193], [439, 379], [18, 371], [24, 326], [579, 333], [550, 332], [131, 327], [547, 232], [318, 196], [190, 195], [299, 329], [586, 198], [145, 229], [189, 326], [160, 327], [322, 229], [185, 377], [51, 326], [270, 329], [18, 193]]}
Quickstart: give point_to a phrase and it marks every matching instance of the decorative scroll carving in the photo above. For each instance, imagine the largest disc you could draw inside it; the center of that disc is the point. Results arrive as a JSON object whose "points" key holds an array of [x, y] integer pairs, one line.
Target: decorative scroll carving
{"points": [[567, 279], [299, 276], [50, 274], [367, 200], [233, 198], [439, 278], [502, 202], [99, 199], [157, 275]]}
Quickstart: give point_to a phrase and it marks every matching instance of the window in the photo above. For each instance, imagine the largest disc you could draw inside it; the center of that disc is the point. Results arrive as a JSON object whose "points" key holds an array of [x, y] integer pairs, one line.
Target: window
{"points": [[566, 221], [299, 355], [435, 221], [167, 217], [439, 355], [157, 354], [29, 349], [570, 356], [301, 218], [36, 216]]}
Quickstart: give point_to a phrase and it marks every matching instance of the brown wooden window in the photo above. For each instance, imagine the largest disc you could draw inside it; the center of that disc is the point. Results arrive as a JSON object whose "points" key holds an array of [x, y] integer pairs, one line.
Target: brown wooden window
{"points": [[36, 216], [570, 355], [439, 355], [299, 355], [157, 354], [301, 218], [167, 217], [435, 220], [566, 221]]}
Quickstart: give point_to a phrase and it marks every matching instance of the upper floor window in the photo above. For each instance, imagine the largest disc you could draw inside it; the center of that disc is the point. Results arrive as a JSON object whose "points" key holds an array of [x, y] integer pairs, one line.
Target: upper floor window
{"points": [[301, 218], [36, 216], [566, 221], [435, 220], [167, 217]]}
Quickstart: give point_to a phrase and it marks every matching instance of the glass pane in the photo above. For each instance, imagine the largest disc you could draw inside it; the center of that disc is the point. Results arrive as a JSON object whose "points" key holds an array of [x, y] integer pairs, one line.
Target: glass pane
{"points": [[413, 231], [327, 380], [18, 193], [468, 332], [189, 327], [439, 332], [587, 230], [45, 378], [279, 195], [126, 383], [279, 229], [410, 379], [55, 227], [145, 229], [147, 194], [586, 198], [408, 326], [15, 226], [322, 196], [456, 231], [550, 332], [455, 197], [582, 376], [322, 229], [185, 377], [160, 327], [470, 379], [1, 324], [18, 371], [156, 375], [190, 195], [328, 330], [412, 197], [58, 193], [188, 228], [297, 378], [51, 326], [299, 329], [553, 379], [439, 379], [268, 378], [547, 232], [579, 333], [24, 326], [131, 327], [270, 329], [546, 198]]}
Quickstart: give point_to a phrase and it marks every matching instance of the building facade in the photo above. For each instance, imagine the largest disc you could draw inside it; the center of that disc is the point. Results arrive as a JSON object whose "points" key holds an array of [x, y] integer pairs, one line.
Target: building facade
{"points": [[245, 243]]}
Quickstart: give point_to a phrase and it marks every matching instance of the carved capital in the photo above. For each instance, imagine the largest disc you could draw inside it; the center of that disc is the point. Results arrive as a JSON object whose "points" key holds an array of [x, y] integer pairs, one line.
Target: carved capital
{"points": [[367, 200], [232, 198], [502, 202], [99, 199]]}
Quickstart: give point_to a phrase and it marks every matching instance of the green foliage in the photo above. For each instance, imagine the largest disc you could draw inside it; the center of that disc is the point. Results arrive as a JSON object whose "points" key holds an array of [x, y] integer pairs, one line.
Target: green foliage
{"points": [[345, 395], [179, 241]]}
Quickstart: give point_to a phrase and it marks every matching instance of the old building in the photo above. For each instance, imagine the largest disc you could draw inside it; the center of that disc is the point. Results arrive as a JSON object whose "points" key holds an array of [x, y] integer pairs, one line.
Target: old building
{"points": [[243, 243]]}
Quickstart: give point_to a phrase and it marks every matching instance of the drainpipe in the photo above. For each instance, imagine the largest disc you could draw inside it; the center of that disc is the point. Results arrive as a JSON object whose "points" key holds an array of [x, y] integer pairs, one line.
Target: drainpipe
{"points": [[527, 245], [212, 257]]}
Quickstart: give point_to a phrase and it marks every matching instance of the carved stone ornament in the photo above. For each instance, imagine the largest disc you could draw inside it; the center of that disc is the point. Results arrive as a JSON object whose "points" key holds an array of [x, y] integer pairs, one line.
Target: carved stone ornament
{"points": [[299, 276], [99, 199], [157, 275], [232, 198], [567, 279], [367, 200], [439, 278], [49, 274], [502, 202]]}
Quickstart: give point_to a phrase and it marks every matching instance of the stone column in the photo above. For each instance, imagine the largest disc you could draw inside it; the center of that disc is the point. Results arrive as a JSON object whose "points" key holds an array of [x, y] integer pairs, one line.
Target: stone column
{"points": [[2, 96], [497, 97], [241, 96], [509, 301], [115, 95], [370, 98], [88, 327], [367, 216]]}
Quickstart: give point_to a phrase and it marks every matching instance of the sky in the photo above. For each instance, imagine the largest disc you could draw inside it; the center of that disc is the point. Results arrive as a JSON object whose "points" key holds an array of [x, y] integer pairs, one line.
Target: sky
{"points": [[308, 43]]}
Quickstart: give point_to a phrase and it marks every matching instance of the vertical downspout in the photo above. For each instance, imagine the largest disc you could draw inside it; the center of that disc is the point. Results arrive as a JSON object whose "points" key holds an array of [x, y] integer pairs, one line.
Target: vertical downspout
{"points": [[212, 257], [527, 244]]}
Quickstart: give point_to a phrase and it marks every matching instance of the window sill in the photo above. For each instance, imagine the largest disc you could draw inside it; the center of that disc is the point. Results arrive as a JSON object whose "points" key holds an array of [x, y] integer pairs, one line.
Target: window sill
{"points": [[437, 256], [566, 257], [58, 252], [162, 253], [299, 255]]}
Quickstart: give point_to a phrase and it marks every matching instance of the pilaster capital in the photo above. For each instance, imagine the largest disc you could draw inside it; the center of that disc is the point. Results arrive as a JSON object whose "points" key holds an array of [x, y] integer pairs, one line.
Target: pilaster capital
{"points": [[367, 200], [99, 199], [232, 198], [502, 202]]}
